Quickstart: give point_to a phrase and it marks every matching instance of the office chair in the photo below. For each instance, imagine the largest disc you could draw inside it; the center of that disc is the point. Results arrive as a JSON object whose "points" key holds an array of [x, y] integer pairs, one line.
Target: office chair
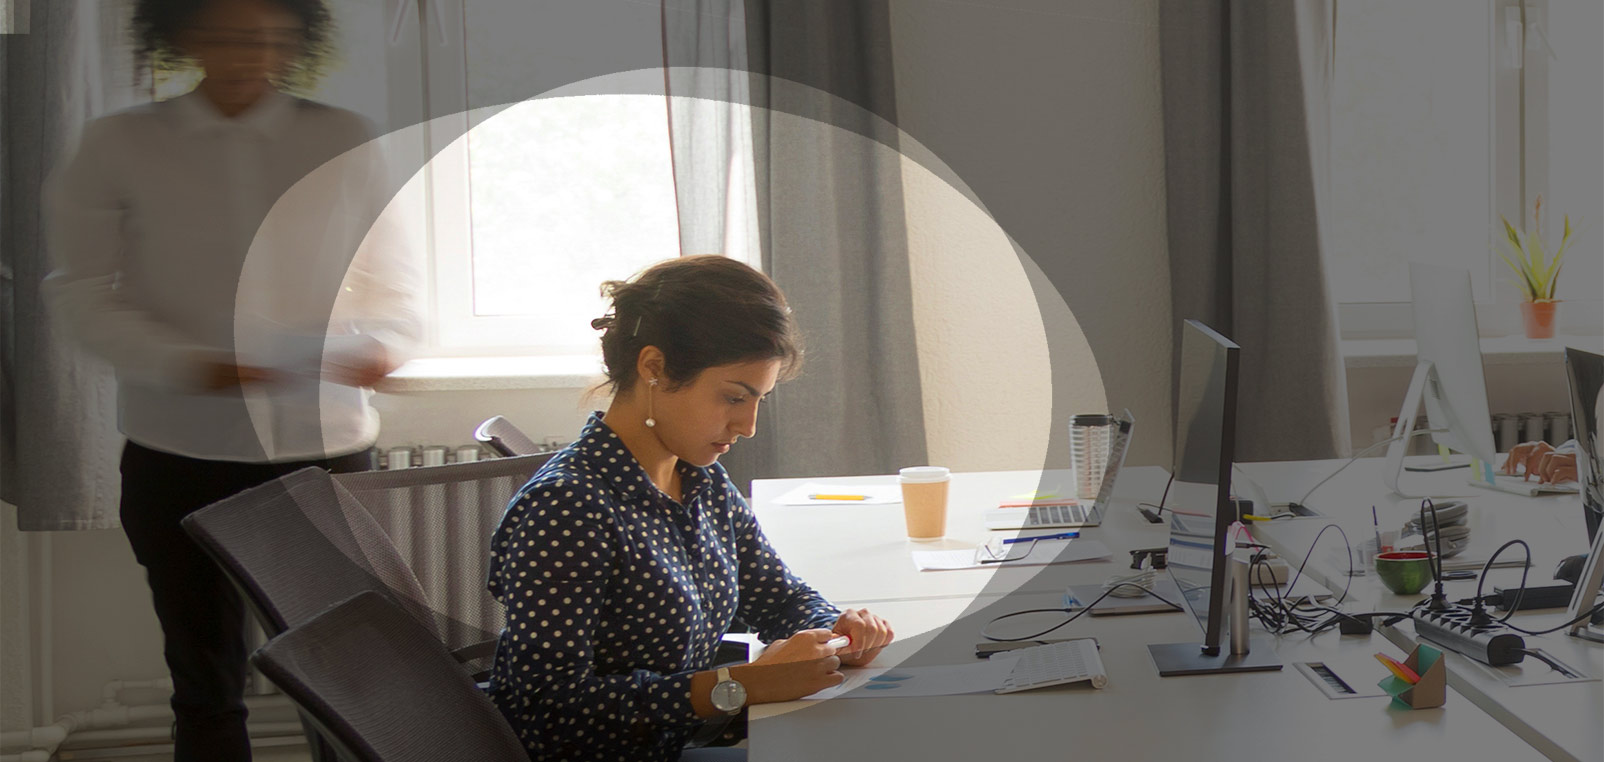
{"points": [[440, 520], [381, 688], [500, 435], [299, 544]]}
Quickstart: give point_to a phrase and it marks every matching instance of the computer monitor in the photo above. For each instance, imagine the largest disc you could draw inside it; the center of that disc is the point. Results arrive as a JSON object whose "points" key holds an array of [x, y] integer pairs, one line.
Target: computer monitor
{"points": [[1448, 372], [1585, 372], [1201, 511]]}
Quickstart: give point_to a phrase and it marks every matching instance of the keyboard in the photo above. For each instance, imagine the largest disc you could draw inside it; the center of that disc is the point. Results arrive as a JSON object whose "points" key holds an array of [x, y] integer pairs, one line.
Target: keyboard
{"points": [[1054, 515], [1516, 485], [1071, 661]]}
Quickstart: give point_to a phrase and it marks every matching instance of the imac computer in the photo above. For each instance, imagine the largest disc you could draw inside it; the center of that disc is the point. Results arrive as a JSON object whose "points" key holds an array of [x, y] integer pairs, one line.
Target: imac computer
{"points": [[1201, 560], [1450, 382], [1585, 372]]}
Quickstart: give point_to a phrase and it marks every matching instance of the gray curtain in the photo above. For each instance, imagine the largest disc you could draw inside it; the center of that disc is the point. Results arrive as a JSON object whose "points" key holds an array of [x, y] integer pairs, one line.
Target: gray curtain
{"points": [[60, 443], [831, 227], [1246, 135]]}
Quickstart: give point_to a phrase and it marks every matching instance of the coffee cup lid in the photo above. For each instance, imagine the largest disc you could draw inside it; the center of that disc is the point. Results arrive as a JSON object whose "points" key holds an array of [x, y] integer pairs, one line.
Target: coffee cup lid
{"points": [[918, 474]]}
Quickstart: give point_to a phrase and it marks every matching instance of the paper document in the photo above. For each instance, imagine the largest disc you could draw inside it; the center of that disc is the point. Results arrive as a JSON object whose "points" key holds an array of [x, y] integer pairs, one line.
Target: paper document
{"points": [[820, 493], [1041, 554], [983, 676]]}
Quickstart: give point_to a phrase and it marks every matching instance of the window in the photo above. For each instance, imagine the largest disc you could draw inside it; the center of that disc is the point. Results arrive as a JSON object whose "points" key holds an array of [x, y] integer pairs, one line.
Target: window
{"points": [[1445, 115], [531, 205]]}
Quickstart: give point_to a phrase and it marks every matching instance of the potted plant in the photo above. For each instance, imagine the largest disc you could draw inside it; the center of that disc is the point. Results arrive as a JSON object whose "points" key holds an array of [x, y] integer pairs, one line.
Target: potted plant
{"points": [[1535, 273]]}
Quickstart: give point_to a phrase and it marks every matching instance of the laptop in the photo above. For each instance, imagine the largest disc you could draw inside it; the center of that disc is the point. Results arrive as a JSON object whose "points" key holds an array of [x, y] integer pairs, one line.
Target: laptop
{"points": [[1068, 514]]}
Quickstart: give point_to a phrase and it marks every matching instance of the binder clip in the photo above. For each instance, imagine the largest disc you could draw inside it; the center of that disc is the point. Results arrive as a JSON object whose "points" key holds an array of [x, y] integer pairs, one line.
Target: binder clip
{"points": [[1430, 691]]}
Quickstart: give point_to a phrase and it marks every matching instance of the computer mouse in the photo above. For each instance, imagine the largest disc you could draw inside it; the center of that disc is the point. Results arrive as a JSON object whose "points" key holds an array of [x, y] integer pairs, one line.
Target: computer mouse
{"points": [[1570, 569]]}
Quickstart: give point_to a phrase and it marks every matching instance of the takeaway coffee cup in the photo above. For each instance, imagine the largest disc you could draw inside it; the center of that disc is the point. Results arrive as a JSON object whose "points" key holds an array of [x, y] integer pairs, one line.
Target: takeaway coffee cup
{"points": [[924, 501]]}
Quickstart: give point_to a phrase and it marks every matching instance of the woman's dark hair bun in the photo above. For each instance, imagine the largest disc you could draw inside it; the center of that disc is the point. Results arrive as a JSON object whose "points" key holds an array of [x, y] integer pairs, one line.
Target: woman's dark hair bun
{"points": [[702, 312]]}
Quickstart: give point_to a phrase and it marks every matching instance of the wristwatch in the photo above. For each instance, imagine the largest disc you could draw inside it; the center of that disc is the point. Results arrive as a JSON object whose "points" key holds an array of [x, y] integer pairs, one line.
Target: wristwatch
{"points": [[728, 694]]}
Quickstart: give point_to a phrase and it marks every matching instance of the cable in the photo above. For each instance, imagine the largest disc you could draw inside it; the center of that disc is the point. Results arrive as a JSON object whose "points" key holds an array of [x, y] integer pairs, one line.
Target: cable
{"points": [[1155, 516], [1132, 585], [1359, 455], [1592, 612], [1275, 614], [1519, 592], [1073, 615], [1537, 653]]}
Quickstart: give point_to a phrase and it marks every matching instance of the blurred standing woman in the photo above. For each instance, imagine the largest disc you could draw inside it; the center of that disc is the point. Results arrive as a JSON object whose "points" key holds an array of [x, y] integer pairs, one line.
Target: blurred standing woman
{"points": [[150, 224]]}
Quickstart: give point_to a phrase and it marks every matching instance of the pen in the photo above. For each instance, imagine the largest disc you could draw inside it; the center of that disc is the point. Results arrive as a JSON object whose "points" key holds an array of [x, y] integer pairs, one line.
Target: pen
{"points": [[838, 497], [1059, 536], [1376, 521], [838, 642]]}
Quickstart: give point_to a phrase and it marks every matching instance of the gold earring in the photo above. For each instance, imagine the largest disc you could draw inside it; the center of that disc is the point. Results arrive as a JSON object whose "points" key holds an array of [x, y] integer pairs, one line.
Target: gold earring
{"points": [[651, 386]]}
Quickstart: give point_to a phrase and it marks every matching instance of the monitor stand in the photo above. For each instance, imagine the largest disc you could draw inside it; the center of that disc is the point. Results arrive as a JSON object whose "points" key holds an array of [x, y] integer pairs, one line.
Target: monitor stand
{"points": [[1403, 433], [1586, 593], [1243, 653], [1174, 659]]}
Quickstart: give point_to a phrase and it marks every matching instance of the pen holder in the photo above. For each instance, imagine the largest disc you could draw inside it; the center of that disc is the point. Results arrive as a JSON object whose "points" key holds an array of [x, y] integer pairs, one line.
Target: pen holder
{"points": [[1431, 691]]}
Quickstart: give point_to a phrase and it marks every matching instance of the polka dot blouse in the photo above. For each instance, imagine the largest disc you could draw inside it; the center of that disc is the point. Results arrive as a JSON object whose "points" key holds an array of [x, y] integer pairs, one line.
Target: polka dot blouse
{"points": [[616, 595]]}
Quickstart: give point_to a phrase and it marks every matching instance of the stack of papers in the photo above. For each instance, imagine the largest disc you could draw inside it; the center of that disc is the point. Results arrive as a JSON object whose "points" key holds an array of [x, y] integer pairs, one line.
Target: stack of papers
{"points": [[900, 682]]}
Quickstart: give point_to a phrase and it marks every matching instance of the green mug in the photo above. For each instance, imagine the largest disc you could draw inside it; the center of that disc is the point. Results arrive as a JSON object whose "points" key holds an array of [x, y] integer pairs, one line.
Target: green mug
{"points": [[1404, 572]]}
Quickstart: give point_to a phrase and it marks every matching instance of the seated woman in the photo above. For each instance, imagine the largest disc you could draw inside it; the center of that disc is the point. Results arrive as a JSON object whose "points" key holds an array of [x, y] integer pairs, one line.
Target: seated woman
{"points": [[629, 554]]}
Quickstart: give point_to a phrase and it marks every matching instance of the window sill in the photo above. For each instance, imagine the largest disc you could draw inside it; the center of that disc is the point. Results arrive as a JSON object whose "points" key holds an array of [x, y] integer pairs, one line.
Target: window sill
{"points": [[1501, 350], [439, 374]]}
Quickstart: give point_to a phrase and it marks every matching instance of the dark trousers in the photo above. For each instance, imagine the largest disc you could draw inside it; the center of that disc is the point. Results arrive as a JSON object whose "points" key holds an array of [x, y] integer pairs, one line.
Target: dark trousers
{"points": [[202, 616]]}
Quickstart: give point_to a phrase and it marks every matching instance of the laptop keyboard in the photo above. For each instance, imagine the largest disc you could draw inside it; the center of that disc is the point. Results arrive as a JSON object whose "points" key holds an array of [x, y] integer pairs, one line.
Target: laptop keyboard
{"points": [[1055, 515]]}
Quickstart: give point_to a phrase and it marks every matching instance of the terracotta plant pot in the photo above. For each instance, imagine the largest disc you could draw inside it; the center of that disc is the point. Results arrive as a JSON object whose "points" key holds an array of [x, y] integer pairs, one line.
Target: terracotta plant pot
{"points": [[1539, 318]]}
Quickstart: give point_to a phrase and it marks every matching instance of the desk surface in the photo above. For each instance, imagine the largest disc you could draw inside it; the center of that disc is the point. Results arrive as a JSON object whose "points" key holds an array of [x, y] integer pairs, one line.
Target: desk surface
{"points": [[1139, 715], [1561, 720], [857, 554], [860, 554]]}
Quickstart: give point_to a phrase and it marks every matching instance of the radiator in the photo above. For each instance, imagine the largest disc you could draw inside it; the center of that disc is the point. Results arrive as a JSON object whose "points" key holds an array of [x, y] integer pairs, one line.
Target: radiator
{"points": [[441, 521]]}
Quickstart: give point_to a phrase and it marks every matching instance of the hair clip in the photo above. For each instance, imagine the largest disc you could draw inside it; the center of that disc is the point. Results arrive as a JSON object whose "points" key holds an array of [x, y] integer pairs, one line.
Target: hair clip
{"points": [[636, 332]]}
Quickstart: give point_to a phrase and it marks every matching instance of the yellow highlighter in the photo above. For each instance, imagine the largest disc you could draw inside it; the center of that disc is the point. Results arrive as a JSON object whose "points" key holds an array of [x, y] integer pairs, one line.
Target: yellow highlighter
{"points": [[838, 497]]}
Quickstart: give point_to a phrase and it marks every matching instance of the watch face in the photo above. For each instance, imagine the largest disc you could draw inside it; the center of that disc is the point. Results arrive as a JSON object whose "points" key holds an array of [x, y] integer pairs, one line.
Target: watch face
{"points": [[729, 696]]}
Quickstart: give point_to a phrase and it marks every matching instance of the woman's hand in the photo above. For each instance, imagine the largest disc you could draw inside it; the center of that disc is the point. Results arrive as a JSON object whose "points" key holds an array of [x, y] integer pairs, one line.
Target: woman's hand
{"points": [[869, 634], [788, 669]]}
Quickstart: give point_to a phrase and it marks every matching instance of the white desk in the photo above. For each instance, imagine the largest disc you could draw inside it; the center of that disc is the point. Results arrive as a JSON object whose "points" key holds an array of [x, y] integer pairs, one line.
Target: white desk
{"points": [[1563, 721], [858, 554]]}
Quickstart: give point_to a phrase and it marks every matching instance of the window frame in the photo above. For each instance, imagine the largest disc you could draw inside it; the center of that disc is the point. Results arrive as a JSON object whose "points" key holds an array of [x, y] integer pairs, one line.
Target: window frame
{"points": [[453, 331], [1520, 156]]}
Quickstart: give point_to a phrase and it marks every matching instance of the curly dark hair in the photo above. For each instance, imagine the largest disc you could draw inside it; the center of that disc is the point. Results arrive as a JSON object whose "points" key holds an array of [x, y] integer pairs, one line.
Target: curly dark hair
{"points": [[157, 25], [701, 311]]}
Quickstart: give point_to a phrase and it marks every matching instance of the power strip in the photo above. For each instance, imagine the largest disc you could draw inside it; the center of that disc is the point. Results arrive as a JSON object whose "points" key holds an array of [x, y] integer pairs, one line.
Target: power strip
{"points": [[1491, 643]]}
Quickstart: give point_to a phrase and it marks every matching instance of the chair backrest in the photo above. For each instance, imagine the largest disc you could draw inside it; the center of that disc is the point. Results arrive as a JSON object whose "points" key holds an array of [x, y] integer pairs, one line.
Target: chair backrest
{"points": [[507, 440], [299, 544], [383, 689], [440, 519]]}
